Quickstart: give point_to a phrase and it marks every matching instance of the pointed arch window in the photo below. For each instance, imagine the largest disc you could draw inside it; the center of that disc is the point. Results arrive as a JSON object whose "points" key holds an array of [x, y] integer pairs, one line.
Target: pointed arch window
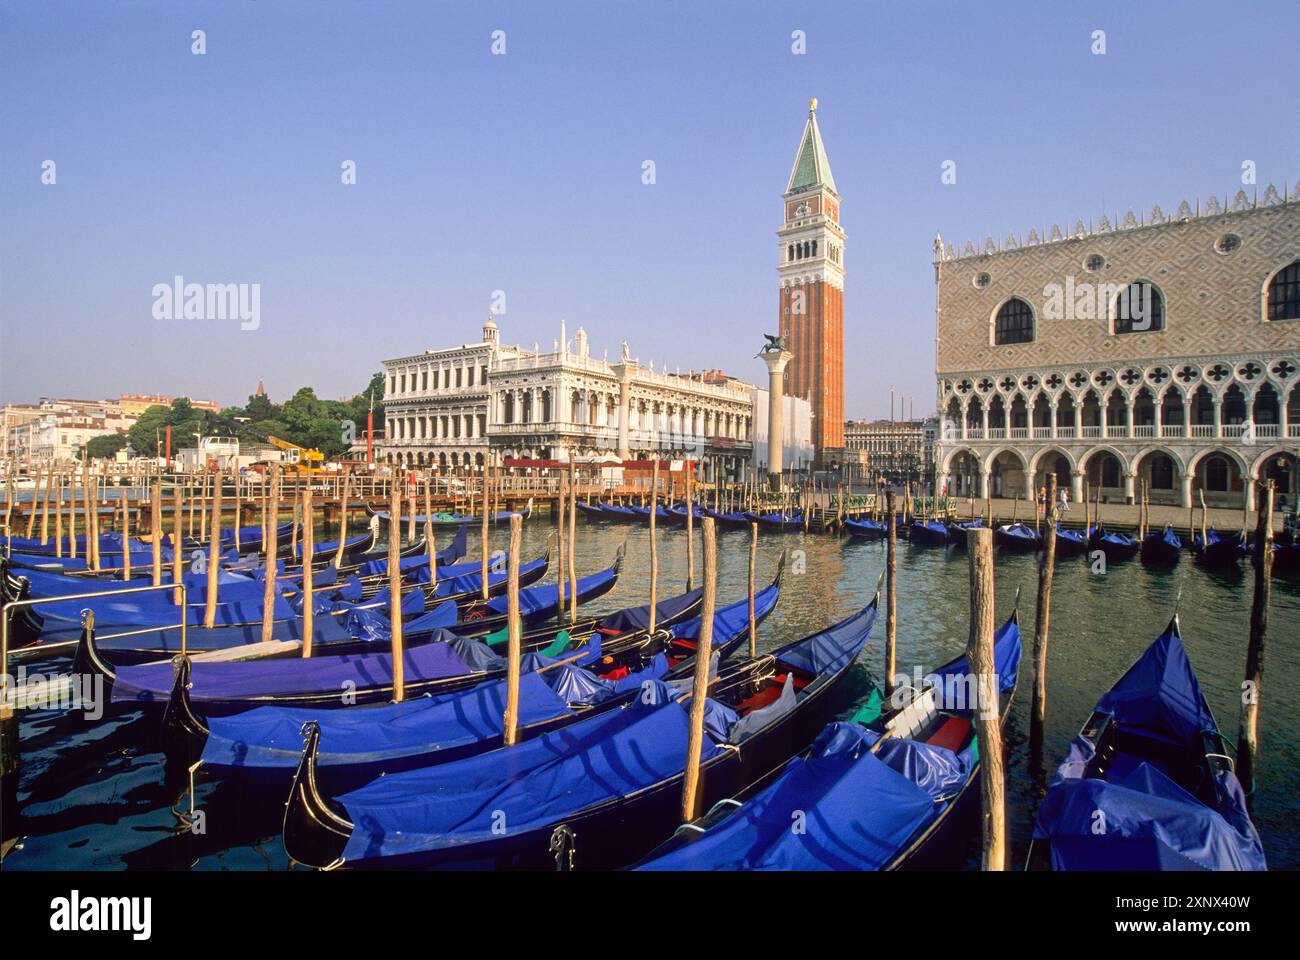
{"points": [[1284, 293], [1014, 323], [1139, 308]]}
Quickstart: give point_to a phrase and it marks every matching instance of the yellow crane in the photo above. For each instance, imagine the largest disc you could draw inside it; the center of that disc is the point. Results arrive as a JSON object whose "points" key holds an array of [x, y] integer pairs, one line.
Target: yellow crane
{"points": [[305, 461]]}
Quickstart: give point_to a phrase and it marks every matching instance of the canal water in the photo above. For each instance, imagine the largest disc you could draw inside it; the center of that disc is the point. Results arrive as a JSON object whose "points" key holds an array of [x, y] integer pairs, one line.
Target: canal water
{"points": [[101, 795]]}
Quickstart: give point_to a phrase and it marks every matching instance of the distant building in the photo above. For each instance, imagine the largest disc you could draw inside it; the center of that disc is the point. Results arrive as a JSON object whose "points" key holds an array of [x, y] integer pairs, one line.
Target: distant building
{"points": [[897, 450], [456, 407], [1162, 352], [134, 404], [55, 430]]}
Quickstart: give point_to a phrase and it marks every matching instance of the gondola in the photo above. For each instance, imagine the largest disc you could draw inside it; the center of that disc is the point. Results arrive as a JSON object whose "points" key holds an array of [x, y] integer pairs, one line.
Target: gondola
{"points": [[618, 513], [1217, 550], [866, 528], [610, 784], [591, 511], [456, 519], [957, 532], [1018, 536], [785, 522], [437, 663], [678, 513], [1149, 765], [731, 521], [1070, 543], [880, 792], [363, 743], [1162, 548], [661, 514], [1117, 547], [932, 533]]}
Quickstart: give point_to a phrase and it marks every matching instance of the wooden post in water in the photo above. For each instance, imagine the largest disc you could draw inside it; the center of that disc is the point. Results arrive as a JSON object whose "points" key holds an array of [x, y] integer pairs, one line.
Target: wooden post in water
{"points": [[988, 728], [272, 548], [395, 589], [178, 554], [690, 534], [125, 531], [45, 507], [155, 530], [36, 500], [72, 513], [90, 501], [483, 535], [234, 475], [1043, 615], [343, 517], [410, 505], [514, 633], [559, 546], [430, 545], [700, 689], [203, 505], [1204, 532], [58, 516], [654, 546], [308, 583], [214, 556], [573, 536], [891, 598], [753, 622], [1248, 738]]}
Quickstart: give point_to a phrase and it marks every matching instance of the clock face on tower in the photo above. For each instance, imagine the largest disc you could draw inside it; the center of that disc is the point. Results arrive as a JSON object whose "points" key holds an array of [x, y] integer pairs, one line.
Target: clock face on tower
{"points": [[802, 210]]}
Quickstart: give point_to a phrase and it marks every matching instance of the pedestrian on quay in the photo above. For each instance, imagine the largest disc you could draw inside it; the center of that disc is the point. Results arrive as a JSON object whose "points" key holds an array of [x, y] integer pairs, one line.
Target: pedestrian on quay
{"points": [[1064, 500]]}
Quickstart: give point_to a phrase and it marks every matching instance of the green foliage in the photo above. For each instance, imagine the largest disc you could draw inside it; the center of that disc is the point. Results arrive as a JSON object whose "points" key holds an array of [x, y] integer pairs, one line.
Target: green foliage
{"points": [[105, 446], [149, 432], [304, 419]]}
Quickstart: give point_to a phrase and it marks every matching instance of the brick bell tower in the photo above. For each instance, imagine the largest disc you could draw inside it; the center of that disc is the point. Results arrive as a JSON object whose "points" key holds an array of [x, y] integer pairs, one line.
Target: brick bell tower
{"points": [[812, 287]]}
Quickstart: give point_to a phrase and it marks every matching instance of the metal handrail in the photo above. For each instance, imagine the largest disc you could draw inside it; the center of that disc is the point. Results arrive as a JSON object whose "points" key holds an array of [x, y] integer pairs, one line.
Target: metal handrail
{"points": [[10, 607]]}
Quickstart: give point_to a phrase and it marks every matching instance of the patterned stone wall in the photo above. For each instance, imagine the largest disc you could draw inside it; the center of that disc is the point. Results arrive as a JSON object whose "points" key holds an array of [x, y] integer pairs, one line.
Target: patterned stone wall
{"points": [[1213, 300]]}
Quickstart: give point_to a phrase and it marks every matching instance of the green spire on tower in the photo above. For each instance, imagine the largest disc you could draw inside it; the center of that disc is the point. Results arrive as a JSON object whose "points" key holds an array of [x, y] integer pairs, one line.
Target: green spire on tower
{"points": [[811, 168]]}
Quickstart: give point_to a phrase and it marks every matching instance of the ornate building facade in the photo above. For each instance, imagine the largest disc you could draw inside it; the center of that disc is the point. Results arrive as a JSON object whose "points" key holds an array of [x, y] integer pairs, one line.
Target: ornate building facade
{"points": [[436, 404], [1161, 352], [486, 402], [811, 257], [898, 450]]}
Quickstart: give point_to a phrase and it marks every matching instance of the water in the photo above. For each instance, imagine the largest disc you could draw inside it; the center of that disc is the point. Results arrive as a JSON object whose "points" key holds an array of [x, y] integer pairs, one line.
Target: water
{"points": [[100, 795]]}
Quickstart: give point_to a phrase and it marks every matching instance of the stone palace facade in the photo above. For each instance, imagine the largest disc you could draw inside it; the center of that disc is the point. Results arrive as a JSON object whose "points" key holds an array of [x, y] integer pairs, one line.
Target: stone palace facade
{"points": [[1162, 351], [465, 406]]}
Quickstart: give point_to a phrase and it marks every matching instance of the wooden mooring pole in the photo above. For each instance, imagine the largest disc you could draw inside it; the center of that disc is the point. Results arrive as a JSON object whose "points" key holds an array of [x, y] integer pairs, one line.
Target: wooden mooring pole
{"points": [[214, 556], [308, 582], [654, 546], [1043, 615], [395, 587], [979, 653], [272, 548], [573, 536], [700, 688], [891, 597], [514, 633], [1252, 686], [753, 622]]}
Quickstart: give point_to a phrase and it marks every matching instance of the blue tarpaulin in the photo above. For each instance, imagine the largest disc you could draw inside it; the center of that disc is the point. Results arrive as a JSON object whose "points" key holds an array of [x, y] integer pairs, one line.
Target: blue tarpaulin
{"points": [[294, 676], [605, 757], [271, 736], [1139, 817]]}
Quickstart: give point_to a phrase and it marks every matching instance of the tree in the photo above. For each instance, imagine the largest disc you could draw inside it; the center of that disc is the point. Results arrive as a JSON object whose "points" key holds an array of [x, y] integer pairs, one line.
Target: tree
{"points": [[105, 446]]}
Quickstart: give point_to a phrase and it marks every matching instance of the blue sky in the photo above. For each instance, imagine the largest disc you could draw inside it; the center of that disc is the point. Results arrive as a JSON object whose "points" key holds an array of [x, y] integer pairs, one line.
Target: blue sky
{"points": [[522, 172]]}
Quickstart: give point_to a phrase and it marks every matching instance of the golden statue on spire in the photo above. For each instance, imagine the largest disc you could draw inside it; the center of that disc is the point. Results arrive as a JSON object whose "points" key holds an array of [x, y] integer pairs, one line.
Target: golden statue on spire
{"points": [[812, 105]]}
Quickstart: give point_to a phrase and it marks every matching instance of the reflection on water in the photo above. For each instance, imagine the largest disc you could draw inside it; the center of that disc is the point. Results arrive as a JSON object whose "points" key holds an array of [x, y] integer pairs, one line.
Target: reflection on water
{"points": [[103, 796]]}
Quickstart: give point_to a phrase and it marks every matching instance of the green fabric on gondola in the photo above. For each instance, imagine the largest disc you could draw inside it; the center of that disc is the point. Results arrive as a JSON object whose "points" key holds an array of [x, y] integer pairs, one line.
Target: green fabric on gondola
{"points": [[501, 636], [869, 712], [560, 644]]}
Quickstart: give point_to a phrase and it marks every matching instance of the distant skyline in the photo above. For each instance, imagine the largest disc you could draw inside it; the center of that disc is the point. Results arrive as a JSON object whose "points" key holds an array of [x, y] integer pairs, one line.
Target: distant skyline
{"points": [[523, 172]]}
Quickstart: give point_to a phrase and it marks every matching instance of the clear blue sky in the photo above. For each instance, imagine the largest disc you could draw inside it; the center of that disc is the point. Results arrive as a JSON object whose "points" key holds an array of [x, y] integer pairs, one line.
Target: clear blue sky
{"points": [[523, 172]]}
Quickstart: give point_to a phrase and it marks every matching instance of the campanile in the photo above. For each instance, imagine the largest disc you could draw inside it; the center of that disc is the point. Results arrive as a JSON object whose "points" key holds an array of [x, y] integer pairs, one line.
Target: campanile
{"points": [[812, 286]]}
